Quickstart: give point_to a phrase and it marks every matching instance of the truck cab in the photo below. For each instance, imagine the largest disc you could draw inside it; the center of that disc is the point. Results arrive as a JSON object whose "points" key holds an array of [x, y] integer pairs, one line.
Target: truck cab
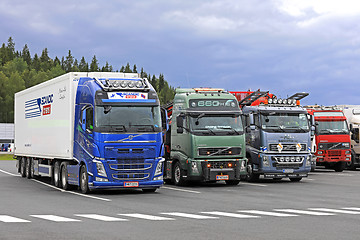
{"points": [[332, 137], [278, 137], [206, 140]]}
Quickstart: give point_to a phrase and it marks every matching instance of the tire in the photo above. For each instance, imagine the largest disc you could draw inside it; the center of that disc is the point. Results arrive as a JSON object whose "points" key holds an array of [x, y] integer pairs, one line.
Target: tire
{"points": [[251, 176], [28, 168], [339, 167], [350, 165], [298, 179], [149, 190], [57, 180], [18, 164], [64, 176], [84, 180], [23, 167], [232, 182], [178, 174]]}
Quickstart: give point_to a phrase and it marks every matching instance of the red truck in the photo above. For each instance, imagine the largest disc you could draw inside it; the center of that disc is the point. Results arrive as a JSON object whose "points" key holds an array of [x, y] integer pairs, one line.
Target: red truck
{"points": [[332, 137]]}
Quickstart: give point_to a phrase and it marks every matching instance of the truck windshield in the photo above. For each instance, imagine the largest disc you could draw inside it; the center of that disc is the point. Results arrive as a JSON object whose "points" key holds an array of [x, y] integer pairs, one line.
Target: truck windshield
{"points": [[215, 124], [128, 118], [335, 127], [284, 122]]}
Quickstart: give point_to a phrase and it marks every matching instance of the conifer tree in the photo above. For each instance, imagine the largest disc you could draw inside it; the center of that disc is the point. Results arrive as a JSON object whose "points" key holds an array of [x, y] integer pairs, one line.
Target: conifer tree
{"points": [[94, 66]]}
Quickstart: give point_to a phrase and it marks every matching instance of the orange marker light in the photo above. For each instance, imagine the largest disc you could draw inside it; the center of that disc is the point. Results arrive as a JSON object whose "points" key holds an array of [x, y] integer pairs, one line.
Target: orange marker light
{"points": [[209, 165], [230, 164]]}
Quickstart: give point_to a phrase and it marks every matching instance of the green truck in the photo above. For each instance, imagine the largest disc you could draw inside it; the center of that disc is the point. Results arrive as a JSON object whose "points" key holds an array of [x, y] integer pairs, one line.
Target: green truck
{"points": [[205, 140]]}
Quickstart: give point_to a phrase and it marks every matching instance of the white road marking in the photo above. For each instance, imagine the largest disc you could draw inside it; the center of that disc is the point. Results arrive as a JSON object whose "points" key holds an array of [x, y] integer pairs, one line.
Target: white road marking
{"points": [[189, 215], [253, 184], [11, 174], [305, 212], [227, 214], [9, 219], [76, 193], [275, 214], [146, 217], [180, 189], [352, 208], [333, 174], [334, 210], [101, 217], [55, 218]]}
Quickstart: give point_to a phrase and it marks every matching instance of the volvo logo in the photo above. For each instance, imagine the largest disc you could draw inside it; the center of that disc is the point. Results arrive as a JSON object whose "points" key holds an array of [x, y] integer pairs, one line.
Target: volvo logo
{"points": [[130, 137]]}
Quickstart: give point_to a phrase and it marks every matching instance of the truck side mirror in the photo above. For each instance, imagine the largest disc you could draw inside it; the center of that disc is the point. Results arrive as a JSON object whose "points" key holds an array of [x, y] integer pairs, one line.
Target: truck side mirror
{"points": [[83, 122], [251, 119], [164, 119], [312, 130], [351, 127], [180, 124]]}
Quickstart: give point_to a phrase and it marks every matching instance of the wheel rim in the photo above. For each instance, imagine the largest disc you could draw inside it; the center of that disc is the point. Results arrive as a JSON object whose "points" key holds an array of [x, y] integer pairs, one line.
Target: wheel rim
{"points": [[83, 181], [177, 174], [63, 176], [56, 175]]}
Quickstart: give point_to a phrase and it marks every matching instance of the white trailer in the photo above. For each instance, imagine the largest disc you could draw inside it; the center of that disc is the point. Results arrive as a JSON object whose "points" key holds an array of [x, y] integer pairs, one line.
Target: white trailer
{"points": [[352, 113]]}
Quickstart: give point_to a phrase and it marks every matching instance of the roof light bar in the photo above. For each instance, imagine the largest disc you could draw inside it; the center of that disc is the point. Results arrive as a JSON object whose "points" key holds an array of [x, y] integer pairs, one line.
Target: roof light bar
{"points": [[218, 90], [123, 84]]}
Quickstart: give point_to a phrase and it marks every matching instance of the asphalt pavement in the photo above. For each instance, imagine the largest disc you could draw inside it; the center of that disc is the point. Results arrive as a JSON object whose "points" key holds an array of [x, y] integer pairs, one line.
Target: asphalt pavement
{"points": [[323, 206]]}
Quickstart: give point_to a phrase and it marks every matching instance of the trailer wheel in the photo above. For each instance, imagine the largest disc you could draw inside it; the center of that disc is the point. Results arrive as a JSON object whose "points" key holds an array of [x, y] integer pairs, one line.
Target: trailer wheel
{"points": [[64, 176], [57, 181], [28, 168], [297, 179], [84, 180], [22, 167], [178, 174], [232, 182]]}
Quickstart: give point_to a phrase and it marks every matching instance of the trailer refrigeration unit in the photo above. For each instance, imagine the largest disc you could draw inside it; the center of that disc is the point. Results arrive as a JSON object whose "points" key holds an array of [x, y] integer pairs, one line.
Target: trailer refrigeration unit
{"points": [[92, 130], [206, 140], [278, 136], [332, 137]]}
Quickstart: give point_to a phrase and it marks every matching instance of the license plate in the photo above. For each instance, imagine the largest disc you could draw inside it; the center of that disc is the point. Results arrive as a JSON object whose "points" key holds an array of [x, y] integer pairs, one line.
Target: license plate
{"points": [[288, 170], [131, 184], [222, 177]]}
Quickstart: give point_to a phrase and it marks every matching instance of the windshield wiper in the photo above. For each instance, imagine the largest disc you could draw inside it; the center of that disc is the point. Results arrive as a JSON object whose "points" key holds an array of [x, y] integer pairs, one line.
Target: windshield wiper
{"points": [[230, 128], [118, 128], [144, 125], [206, 129], [277, 127], [298, 127], [334, 146]]}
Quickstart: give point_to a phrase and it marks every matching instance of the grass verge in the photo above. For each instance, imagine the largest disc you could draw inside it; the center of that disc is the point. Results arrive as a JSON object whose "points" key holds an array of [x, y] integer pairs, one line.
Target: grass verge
{"points": [[6, 157]]}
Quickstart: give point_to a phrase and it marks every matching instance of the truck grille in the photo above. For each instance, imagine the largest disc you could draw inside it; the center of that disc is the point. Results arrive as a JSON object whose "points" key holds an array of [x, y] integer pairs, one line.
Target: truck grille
{"points": [[134, 169], [284, 166], [129, 153], [331, 146], [131, 176], [334, 153], [220, 151], [221, 164], [287, 147]]}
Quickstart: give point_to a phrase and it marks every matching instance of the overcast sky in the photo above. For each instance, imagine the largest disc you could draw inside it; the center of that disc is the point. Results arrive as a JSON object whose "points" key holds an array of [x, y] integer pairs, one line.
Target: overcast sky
{"points": [[284, 46]]}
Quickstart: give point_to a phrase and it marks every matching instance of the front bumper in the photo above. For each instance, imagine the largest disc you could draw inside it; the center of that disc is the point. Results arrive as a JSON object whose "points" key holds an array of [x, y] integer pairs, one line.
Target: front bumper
{"points": [[125, 184]]}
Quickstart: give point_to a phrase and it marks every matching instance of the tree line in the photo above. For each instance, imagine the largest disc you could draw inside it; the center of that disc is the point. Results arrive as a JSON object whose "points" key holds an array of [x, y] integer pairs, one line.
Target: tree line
{"points": [[19, 70]]}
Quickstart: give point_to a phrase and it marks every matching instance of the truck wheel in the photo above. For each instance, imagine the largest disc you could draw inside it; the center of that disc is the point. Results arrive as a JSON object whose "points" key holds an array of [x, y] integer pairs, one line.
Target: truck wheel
{"points": [[28, 168], [297, 179], [64, 176], [84, 180], [339, 167], [251, 176], [178, 174], [232, 182], [22, 167], [57, 182], [149, 190]]}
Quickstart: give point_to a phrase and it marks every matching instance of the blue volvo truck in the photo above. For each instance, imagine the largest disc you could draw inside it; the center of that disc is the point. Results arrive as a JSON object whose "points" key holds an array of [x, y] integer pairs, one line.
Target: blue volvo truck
{"points": [[278, 136], [91, 130]]}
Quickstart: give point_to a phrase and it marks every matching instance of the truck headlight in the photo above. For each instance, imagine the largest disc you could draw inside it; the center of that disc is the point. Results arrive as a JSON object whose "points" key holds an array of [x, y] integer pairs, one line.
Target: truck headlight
{"points": [[100, 169], [308, 162], [158, 169], [194, 167], [266, 161], [320, 152]]}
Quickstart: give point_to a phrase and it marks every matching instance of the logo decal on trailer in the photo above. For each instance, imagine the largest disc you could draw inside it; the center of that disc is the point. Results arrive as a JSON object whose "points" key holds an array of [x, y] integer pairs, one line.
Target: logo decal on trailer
{"points": [[38, 106]]}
